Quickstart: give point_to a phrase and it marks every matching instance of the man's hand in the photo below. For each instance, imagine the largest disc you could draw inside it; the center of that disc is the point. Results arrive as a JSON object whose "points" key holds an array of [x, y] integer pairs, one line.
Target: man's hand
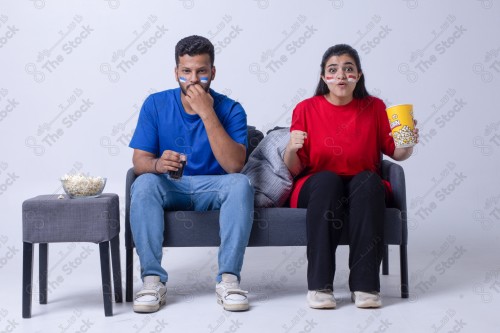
{"points": [[168, 161], [199, 100]]}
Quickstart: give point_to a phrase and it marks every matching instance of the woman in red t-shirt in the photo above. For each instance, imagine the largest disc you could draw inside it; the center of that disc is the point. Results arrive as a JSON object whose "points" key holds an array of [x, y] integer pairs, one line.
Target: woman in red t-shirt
{"points": [[336, 141]]}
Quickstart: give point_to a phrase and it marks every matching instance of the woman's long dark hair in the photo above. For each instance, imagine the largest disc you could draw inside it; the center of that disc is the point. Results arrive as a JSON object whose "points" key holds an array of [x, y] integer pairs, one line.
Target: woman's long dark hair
{"points": [[338, 50]]}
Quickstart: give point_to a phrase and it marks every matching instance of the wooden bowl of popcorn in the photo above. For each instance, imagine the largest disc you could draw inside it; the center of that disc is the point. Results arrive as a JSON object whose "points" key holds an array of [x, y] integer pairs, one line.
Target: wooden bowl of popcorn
{"points": [[81, 186]]}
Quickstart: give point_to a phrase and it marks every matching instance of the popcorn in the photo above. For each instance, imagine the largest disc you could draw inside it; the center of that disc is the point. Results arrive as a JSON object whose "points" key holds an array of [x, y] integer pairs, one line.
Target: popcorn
{"points": [[79, 185], [404, 137]]}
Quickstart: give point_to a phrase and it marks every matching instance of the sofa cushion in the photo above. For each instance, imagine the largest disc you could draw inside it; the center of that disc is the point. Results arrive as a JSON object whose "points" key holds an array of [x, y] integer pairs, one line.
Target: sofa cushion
{"points": [[271, 227], [254, 138]]}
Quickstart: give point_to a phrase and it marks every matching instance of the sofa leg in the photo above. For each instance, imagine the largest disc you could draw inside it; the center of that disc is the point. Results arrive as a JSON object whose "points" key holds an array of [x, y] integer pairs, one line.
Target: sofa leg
{"points": [[129, 274], [385, 260], [117, 274], [27, 278], [107, 293], [403, 257], [43, 269]]}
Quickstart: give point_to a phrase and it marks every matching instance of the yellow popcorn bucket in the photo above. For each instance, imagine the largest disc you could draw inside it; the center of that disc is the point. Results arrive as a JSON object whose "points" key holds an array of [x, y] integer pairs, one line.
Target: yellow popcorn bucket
{"points": [[401, 120]]}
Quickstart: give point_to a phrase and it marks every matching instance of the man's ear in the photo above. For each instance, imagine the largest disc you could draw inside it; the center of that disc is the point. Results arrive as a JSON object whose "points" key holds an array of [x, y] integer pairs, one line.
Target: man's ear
{"points": [[213, 73]]}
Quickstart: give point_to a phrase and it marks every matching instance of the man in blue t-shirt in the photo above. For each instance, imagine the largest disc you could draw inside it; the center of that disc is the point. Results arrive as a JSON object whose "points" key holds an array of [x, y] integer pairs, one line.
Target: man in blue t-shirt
{"points": [[204, 134]]}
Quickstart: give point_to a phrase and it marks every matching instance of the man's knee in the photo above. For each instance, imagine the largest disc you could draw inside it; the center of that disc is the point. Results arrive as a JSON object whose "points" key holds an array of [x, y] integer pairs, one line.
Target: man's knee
{"points": [[240, 184], [144, 184]]}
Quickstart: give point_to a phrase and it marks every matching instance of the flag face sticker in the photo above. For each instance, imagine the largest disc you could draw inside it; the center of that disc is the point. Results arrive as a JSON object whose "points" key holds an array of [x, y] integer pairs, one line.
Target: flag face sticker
{"points": [[351, 78], [202, 79], [330, 79]]}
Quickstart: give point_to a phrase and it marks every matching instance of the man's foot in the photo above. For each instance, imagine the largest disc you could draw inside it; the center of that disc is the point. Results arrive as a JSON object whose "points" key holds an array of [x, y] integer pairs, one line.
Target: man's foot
{"points": [[364, 299], [152, 295], [229, 294], [321, 299]]}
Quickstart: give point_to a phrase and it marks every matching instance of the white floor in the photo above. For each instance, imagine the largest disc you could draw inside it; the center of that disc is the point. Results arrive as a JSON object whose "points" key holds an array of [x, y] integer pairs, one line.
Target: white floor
{"points": [[454, 288]]}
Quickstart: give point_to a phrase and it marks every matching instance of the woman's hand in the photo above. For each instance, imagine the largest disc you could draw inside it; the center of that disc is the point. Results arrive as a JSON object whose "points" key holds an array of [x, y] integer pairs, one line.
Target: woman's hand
{"points": [[415, 130], [401, 154], [297, 139], [292, 161]]}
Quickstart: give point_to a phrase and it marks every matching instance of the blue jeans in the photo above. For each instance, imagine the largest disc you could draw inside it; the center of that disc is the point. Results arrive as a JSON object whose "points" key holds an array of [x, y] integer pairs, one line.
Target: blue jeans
{"points": [[151, 194]]}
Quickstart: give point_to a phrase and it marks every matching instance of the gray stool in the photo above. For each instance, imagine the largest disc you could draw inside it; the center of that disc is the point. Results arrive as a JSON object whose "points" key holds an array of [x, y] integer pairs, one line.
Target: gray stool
{"points": [[47, 219]]}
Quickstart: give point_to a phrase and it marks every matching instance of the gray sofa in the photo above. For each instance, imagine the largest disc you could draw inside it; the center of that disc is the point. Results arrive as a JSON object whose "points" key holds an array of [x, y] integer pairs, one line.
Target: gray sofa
{"points": [[272, 226]]}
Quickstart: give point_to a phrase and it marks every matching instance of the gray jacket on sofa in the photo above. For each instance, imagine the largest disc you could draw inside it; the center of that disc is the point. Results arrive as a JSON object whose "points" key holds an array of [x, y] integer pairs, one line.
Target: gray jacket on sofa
{"points": [[267, 172]]}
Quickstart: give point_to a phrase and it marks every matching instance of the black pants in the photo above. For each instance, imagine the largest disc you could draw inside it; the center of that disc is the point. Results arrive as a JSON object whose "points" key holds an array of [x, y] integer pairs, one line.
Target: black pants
{"points": [[333, 204]]}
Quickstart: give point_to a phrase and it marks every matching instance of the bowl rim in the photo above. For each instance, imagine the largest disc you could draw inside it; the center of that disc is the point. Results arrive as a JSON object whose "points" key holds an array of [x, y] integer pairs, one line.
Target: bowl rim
{"points": [[72, 196]]}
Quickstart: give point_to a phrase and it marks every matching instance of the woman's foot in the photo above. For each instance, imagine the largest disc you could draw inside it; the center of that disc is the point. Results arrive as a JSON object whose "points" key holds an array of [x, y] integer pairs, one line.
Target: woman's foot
{"points": [[321, 299], [365, 300]]}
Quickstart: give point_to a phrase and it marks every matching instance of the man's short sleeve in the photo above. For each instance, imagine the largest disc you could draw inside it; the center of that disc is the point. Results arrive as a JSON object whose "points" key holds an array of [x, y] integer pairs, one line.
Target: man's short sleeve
{"points": [[236, 126], [146, 133]]}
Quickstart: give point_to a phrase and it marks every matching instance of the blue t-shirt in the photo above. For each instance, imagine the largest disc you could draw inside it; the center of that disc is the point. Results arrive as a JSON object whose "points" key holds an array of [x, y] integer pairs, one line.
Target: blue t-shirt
{"points": [[163, 124]]}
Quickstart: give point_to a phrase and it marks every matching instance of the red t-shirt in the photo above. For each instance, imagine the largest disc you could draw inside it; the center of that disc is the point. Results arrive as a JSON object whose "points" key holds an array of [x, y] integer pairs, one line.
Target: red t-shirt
{"points": [[346, 139]]}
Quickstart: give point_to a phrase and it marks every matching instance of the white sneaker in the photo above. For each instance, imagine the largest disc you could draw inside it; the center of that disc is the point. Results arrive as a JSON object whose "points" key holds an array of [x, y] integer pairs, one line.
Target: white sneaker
{"points": [[366, 300], [152, 295], [321, 299], [229, 294]]}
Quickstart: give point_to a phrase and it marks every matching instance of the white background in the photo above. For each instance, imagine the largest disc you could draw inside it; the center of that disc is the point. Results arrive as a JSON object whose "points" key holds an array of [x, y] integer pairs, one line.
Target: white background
{"points": [[73, 75]]}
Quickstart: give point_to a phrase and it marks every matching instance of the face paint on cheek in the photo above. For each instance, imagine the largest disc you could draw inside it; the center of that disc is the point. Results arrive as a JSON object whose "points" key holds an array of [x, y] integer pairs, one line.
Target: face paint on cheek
{"points": [[351, 79], [182, 79], [330, 79], [204, 79]]}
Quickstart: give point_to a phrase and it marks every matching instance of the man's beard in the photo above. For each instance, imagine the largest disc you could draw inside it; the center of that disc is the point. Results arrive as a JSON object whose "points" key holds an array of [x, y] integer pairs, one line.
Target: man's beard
{"points": [[205, 87]]}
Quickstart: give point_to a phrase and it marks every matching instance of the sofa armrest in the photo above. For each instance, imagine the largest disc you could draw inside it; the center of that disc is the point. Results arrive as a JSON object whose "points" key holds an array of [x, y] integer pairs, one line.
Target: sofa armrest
{"points": [[131, 176], [395, 175]]}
